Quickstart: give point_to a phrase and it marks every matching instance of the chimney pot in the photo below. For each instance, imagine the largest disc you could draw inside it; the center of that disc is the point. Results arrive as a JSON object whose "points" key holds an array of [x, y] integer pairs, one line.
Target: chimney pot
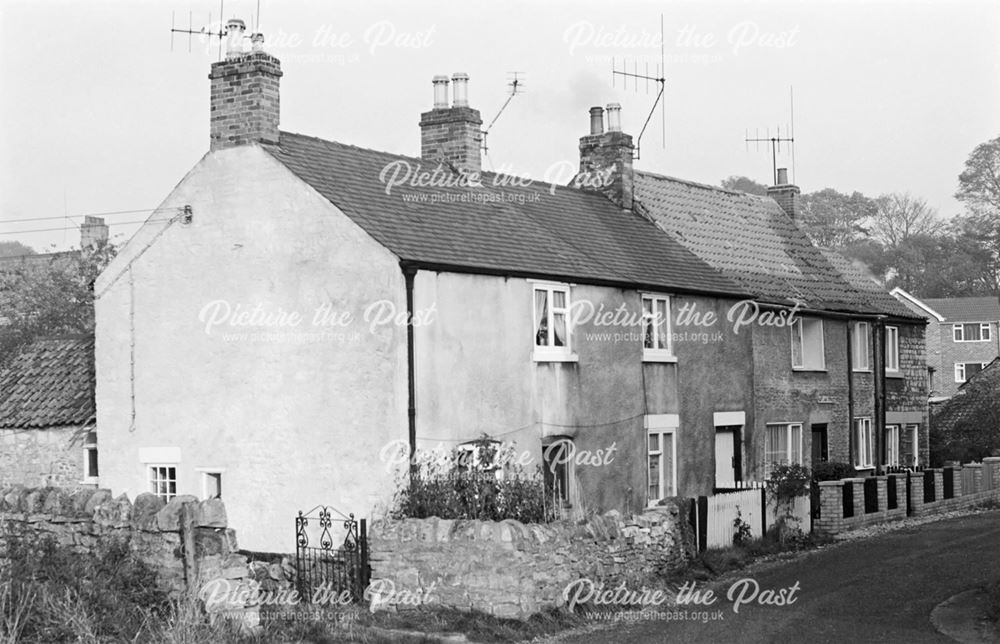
{"points": [[257, 40], [782, 176], [440, 92], [461, 89], [596, 120], [235, 29], [614, 117]]}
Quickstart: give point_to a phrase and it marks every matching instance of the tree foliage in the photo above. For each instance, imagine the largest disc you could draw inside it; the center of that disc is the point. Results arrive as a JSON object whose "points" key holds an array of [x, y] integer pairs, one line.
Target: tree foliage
{"points": [[14, 249], [49, 295], [903, 241]]}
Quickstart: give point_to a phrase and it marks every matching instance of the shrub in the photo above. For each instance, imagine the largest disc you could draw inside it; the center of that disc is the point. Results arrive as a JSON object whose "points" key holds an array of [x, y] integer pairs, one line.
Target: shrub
{"points": [[788, 481], [832, 471], [489, 487]]}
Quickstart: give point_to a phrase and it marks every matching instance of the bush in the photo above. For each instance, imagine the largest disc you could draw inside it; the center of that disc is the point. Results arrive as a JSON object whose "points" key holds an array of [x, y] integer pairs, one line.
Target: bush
{"points": [[788, 481], [832, 471], [462, 488]]}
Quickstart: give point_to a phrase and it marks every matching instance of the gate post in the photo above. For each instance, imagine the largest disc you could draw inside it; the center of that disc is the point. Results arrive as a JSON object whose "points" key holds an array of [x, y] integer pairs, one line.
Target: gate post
{"points": [[364, 576]]}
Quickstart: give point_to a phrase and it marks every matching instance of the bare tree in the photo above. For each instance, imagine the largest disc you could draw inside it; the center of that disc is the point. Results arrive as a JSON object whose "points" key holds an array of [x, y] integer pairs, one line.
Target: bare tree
{"points": [[900, 216]]}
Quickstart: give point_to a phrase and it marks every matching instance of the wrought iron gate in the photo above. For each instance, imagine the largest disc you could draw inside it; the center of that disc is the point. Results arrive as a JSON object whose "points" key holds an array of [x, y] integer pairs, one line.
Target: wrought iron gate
{"points": [[331, 554]]}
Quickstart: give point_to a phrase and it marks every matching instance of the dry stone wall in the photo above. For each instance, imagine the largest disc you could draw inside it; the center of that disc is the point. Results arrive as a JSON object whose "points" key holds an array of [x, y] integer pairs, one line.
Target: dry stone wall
{"points": [[511, 569]]}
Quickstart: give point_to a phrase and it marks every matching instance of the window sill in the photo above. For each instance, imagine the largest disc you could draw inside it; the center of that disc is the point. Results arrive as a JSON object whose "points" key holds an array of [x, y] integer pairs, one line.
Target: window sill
{"points": [[542, 356], [861, 370], [90, 480], [894, 374], [809, 369], [656, 356], [863, 468]]}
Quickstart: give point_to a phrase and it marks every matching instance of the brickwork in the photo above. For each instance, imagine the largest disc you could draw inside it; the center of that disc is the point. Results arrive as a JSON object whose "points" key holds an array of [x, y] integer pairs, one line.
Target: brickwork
{"points": [[784, 395], [985, 487], [606, 166], [245, 102], [945, 352], [41, 457], [452, 135]]}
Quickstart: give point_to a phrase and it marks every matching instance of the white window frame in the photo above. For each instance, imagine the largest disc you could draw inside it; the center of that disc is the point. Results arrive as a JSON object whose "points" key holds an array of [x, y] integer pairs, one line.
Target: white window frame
{"points": [[206, 473], [985, 332], [863, 458], [892, 349], [892, 445], [789, 450], [549, 352], [798, 328], [90, 446], [655, 354], [661, 425], [960, 375], [862, 331], [915, 428], [153, 478]]}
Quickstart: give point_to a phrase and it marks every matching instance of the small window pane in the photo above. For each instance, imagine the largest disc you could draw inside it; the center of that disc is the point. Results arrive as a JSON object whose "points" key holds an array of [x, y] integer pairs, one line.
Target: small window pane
{"points": [[559, 299], [661, 324]]}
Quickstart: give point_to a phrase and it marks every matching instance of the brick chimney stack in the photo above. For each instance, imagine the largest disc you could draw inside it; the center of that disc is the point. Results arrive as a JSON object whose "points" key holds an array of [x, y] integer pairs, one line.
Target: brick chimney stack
{"points": [[452, 134], [245, 105], [786, 194], [606, 157], [93, 232]]}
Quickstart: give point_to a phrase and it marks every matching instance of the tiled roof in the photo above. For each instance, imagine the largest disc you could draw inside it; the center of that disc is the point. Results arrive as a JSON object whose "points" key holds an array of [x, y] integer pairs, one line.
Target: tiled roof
{"points": [[967, 309], [977, 396], [562, 233], [50, 382], [751, 240]]}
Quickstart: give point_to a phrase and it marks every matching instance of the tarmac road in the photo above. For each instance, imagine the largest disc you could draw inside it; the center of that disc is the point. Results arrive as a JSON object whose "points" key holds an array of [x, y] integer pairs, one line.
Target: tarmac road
{"points": [[881, 589]]}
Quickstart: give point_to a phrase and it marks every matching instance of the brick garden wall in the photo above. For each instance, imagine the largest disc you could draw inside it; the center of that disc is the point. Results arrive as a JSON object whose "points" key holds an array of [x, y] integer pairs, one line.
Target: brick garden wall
{"points": [[510, 569], [982, 485]]}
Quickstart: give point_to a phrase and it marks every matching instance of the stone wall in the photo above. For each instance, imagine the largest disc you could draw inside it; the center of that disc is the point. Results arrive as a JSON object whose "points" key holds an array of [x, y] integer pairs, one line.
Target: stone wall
{"points": [[187, 542], [45, 457], [511, 569]]}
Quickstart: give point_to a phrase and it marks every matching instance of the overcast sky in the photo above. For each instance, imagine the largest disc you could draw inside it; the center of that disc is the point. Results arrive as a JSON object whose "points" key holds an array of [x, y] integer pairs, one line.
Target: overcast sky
{"points": [[98, 114]]}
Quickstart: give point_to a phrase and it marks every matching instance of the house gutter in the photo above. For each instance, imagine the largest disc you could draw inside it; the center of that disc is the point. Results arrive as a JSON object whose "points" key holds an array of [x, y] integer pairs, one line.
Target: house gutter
{"points": [[409, 273]]}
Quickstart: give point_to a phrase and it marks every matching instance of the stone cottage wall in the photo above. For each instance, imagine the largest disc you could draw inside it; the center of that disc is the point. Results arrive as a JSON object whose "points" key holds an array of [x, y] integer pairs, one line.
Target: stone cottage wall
{"points": [[44, 457], [187, 542], [511, 569]]}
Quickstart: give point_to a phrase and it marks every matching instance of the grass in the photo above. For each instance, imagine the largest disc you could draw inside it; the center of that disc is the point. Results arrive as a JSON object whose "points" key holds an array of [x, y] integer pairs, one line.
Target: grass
{"points": [[718, 561], [993, 602]]}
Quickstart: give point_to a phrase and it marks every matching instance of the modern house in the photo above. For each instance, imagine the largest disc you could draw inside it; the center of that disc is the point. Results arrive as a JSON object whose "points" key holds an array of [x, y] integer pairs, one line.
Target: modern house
{"points": [[299, 311], [962, 337], [47, 431], [967, 425]]}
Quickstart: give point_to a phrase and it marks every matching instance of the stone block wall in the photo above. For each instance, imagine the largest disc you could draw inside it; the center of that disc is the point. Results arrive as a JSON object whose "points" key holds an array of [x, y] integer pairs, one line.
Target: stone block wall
{"points": [[511, 569], [41, 457], [187, 542]]}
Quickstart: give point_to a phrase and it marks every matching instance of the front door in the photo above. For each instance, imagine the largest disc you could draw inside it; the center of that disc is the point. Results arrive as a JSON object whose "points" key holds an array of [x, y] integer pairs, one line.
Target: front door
{"points": [[819, 444], [725, 457]]}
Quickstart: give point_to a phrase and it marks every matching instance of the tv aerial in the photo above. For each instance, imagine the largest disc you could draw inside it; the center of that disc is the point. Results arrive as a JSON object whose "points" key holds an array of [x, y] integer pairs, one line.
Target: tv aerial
{"points": [[657, 78], [515, 86], [776, 140], [208, 30]]}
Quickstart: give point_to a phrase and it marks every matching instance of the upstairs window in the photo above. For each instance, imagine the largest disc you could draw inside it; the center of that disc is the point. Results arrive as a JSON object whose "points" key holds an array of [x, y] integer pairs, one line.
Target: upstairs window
{"points": [[965, 370], [860, 350], [551, 322], [808, 352], [892, 349], [973, 332], [656, 340]]}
